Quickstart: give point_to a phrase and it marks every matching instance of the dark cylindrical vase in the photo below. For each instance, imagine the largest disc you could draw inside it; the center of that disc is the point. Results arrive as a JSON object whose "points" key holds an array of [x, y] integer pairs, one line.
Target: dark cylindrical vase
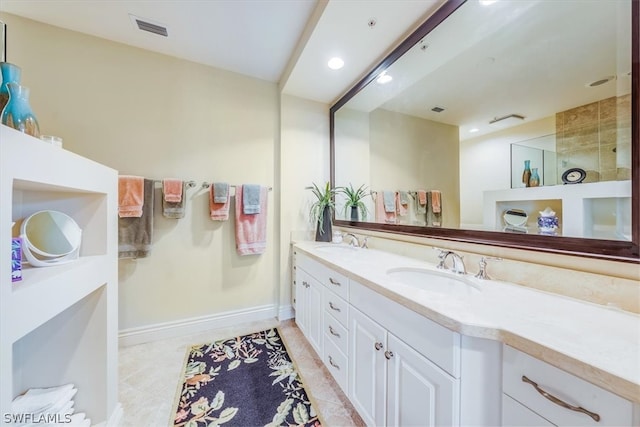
{"points": [[354, 213], [323, 230]]}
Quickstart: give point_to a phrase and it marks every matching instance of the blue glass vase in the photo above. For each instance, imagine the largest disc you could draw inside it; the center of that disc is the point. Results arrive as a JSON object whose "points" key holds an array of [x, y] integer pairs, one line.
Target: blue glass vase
{"points": [[10, 74], [17, 113]]}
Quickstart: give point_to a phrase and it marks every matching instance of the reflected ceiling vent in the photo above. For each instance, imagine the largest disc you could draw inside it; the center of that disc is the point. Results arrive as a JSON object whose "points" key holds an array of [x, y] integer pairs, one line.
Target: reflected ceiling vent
{"points": [[438, 109], [509, 119], [151, 27], [601, 81]]}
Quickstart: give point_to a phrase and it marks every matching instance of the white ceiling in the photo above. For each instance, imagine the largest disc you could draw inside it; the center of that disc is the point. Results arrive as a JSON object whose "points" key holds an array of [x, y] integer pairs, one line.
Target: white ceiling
{"points": [[284, 41]]}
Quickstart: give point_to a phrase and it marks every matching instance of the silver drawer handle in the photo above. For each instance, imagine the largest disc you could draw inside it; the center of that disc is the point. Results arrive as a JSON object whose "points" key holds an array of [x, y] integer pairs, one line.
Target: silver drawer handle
{"points": [[379, 346], [333, 307], [334, 333], [334, 282], [559, 402], [332, 363]]}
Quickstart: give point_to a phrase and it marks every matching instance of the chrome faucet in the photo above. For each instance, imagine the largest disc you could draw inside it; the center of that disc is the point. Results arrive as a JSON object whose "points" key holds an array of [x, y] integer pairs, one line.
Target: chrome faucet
{"points": [[355, 242], [458, 264], [482, 273]]}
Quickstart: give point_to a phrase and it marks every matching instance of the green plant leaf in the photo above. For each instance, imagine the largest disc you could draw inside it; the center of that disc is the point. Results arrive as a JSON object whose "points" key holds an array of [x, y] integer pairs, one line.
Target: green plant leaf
{"points": [[234, 364]]}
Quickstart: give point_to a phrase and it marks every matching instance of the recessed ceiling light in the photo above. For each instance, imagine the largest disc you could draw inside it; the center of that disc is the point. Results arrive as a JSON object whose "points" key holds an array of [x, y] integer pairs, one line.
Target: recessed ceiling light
{"points": [[384, 78], [487, 2], [473, 130], [335, 63]]}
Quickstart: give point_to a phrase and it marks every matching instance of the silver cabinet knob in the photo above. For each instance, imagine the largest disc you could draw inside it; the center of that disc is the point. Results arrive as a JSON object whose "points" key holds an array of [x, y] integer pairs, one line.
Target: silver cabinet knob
{"points": [[379, 346], [388, 354]]}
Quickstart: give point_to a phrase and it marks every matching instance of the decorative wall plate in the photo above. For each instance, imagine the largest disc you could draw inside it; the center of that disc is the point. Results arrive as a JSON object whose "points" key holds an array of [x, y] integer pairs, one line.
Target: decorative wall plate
{"points": [[574, 176]]}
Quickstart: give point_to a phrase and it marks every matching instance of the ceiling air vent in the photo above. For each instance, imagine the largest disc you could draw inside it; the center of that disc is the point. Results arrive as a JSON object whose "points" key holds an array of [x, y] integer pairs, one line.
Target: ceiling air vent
{"points": [[437, 109], [150, 27]]}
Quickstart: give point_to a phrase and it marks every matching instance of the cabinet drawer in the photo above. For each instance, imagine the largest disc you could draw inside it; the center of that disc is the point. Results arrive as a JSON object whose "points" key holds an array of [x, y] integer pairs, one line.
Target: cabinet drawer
{"points": [[337, 333], [336, 363], [514, 414], [519, 368], [334, 281], [336, 306]]}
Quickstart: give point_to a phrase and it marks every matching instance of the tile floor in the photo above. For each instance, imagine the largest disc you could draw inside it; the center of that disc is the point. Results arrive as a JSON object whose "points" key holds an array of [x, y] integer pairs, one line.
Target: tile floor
{"points": [[147, 396]]}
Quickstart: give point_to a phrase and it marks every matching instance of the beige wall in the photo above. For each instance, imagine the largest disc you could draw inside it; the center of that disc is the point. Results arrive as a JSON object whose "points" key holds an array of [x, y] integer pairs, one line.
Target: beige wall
{"points": [[409, 153], [151, 115], [304, 158]]}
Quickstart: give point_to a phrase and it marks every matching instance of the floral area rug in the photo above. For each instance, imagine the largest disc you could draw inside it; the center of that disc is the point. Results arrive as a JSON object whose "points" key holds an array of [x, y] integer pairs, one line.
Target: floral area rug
{"points": [[244, 381]]}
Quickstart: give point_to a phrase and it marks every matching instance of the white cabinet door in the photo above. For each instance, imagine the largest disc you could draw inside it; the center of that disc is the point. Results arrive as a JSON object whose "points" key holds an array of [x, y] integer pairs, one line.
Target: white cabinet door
{"points": [[309, 308], [419, 392], [315, 332], [367, 368], [302, 300]]}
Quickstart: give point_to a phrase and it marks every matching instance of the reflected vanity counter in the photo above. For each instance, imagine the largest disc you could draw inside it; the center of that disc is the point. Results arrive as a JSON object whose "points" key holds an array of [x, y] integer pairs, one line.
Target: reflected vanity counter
{"points": [[598, 344]]}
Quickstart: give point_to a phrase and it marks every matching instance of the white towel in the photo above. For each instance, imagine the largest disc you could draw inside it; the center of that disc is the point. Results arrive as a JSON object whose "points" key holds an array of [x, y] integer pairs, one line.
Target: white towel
{"points": [[40, 400]]}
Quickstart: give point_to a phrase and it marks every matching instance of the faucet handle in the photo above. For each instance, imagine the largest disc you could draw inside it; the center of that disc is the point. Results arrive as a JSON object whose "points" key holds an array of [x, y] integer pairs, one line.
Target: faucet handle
{"points": [[363, 245], [482, 273], [442, 254]]}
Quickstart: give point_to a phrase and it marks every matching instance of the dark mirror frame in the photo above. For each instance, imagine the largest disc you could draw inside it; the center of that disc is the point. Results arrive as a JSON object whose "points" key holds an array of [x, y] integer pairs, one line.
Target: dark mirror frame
{"points": [[626, 251]]}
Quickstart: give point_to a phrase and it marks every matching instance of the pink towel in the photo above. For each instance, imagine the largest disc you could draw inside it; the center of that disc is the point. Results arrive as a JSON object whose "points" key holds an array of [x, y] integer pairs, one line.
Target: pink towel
{"points": [[422, 197], [218, 211], [400, 208], [381, 214], [251, 230], [172, 190], [130, 196]]}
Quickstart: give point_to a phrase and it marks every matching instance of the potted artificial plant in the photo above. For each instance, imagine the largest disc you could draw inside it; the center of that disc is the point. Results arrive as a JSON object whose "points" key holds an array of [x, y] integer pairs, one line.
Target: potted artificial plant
{"points": [[322, 210], [353, 202]]}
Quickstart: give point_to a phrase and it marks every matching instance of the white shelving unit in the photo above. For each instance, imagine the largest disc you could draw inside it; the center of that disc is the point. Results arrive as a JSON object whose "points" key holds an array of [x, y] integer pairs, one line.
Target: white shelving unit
{"points": [[595, 209], [59, 324]]}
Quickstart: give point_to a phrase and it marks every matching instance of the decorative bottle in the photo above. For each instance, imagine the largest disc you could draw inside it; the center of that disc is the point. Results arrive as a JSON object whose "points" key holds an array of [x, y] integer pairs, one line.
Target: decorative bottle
{"points": [[534, 179], [10, 74], [526, 174], [17, 113]]}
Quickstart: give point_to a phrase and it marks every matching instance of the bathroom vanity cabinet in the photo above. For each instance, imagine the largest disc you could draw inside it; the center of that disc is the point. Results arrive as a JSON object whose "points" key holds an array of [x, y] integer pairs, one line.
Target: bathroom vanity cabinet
{"points": [[59, 323], [396, 366], [404, 356]]}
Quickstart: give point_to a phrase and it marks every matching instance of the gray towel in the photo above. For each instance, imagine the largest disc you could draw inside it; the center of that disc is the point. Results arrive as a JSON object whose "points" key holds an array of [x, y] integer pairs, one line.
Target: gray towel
{"points": [[404, 197], [220, 192], [250, 199], [174, 210], [136, 234], [389, 199]]}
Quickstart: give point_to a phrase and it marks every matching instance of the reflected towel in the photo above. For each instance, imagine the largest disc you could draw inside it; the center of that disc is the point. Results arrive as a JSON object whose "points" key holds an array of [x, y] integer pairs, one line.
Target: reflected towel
{"points": [[172, 190], [435, 201], [401, 208], [421, 204], [174, 210], [250, 199], [218, 211], [130, 196], [136, 234], [221, 192], [251, 230], [382, 216], [389, 198]]}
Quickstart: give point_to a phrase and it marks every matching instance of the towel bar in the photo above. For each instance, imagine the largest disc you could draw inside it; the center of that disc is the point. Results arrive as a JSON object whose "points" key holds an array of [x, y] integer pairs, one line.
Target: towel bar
{"points": [[208, 184]]}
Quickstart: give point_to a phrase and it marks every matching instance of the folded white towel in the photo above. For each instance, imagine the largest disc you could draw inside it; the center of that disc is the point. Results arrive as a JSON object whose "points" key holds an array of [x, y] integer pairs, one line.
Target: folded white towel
{"points": [[39, 400]]}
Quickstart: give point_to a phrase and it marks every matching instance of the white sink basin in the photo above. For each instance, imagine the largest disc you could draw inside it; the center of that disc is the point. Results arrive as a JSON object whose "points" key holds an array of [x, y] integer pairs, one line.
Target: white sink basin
{"points": [[434, 281], [337, 249]]}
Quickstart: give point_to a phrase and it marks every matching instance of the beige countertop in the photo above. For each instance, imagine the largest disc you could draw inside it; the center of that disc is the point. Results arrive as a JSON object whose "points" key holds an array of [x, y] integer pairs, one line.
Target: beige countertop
{"points": [[593, 342]]}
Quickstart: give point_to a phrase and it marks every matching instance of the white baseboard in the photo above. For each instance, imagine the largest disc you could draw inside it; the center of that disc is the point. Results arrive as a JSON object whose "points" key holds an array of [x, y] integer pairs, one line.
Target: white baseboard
{"points": [[159, 331], [286, 312]]}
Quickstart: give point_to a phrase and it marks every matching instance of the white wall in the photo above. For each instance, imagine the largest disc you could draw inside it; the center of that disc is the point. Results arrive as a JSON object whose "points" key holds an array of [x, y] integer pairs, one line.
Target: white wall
{"points": [[485, 164], [152, 115]]}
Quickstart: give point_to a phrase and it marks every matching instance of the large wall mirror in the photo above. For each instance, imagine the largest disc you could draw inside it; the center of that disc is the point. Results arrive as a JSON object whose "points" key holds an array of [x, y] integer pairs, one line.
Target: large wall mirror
{"points": [[511, 123]]}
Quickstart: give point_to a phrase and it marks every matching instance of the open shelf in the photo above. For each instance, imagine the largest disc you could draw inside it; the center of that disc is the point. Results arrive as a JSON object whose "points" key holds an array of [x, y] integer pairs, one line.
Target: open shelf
{"points": [[58, 324]]}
